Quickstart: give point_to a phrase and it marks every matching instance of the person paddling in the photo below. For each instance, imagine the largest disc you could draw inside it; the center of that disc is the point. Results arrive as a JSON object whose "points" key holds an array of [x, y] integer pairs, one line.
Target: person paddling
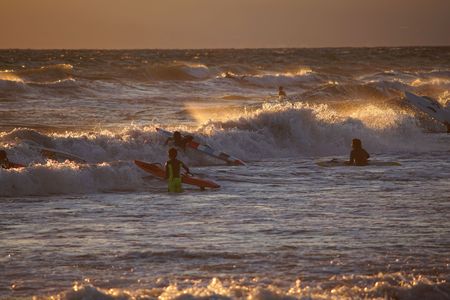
{"points": [[178, 140], [358, 156], [173, 172]]}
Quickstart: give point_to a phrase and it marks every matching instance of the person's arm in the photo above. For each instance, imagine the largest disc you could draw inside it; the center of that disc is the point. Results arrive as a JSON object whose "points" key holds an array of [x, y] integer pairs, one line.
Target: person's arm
{"points": [[352, 158], [167, 171], [186, 140], [187, 169]]}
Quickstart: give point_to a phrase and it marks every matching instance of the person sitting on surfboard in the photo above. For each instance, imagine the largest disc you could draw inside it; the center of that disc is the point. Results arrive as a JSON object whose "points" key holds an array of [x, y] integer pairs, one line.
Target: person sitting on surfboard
{"points": [[173, 172], [178, 140], [4, 161], [358, 156]]}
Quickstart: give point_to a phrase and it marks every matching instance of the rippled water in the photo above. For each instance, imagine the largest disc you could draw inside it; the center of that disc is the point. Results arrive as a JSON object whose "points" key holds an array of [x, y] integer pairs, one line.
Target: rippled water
{"points": [[279, 228]]}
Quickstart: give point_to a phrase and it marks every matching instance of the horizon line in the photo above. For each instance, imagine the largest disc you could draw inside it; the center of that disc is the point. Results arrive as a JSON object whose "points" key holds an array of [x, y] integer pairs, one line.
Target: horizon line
{"points": [[236, 48]]}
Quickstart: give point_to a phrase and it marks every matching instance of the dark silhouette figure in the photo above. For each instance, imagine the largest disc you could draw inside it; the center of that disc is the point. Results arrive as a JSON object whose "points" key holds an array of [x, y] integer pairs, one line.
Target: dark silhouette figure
{"points": [[281, 92], [178, 140], [173, 172], [4, 161], [358, 156], [447, 124]]}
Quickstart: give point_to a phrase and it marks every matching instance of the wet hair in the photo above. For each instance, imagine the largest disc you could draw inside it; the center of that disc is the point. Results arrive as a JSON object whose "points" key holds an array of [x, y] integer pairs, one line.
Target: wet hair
{"points": [[280, 87], [173, 153], [3, 154], [356, 143]]}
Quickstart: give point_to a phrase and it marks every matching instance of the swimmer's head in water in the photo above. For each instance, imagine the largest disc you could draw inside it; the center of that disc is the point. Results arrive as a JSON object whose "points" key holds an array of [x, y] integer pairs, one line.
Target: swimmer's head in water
{"points": [[173, 153], [356, 143]]}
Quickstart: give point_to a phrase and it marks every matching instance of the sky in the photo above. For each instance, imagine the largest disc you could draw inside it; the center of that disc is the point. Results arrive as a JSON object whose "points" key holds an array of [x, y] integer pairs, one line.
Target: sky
{"points": [[141, 24]]}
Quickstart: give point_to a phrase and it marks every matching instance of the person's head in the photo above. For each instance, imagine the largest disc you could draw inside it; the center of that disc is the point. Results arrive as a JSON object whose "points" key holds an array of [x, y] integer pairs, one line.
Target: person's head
{"points": [[2, 154], [280, 88], [173, 153], [176, 135], [356, 144]]}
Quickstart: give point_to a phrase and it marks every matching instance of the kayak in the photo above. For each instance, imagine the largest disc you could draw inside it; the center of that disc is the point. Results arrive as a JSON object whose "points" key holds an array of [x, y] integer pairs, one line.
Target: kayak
{"points": [[15, 166], [158, 171]]}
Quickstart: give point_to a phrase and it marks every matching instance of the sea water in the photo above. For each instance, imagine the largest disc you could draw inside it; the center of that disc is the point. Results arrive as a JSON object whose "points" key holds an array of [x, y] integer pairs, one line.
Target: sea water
{"points": [[280, 227]]}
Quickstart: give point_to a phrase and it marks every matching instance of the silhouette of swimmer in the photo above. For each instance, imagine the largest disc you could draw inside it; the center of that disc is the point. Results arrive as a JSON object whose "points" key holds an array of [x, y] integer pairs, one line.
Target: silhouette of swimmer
{"points": [[173, 172], [178, 140], [358, 156], [281, 92]]}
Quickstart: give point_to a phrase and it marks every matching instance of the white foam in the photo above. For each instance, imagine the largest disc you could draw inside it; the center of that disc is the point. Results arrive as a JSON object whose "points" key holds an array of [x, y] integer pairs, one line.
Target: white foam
{"points": [[379, 286], [272, 131], [69, 178]]}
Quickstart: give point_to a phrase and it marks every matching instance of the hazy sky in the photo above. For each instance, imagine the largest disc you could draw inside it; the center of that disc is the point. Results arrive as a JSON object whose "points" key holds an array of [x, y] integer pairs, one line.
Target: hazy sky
{"points": [[222, 23]]}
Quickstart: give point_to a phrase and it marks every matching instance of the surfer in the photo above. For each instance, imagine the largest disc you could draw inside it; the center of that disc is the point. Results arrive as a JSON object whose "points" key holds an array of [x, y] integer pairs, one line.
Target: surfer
{"points": [[281, 92], [178, 140], [4, 161], [173, 172], [358, 156]]}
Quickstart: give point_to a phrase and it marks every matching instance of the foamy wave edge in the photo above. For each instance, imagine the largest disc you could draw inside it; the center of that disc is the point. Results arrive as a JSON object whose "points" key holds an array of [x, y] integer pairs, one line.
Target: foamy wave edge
{"points": [[379, 286]]}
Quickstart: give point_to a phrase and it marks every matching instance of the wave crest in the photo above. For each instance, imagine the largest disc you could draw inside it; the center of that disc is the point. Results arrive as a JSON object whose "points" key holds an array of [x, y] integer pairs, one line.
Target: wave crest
{"points": [[51, 74]]}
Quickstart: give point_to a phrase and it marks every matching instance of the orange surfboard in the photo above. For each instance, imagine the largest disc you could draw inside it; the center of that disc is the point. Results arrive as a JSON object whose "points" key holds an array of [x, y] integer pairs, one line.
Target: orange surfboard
{"points": [[159, 171]]}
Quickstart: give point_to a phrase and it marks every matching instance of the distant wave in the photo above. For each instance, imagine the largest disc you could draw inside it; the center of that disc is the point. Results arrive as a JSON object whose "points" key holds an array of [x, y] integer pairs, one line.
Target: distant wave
{"points": [[45, 75], [171, 71], [272, 79]]}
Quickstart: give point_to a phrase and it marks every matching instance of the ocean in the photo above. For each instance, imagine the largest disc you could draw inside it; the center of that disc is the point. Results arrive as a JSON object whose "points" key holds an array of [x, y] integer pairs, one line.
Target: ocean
{"points": [[280, 227]]}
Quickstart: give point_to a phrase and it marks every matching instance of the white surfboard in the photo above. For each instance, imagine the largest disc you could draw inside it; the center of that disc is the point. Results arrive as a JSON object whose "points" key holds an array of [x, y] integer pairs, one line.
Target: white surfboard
{"points": [[335, 162], [60, 155], [428, 106], [54, 154]]}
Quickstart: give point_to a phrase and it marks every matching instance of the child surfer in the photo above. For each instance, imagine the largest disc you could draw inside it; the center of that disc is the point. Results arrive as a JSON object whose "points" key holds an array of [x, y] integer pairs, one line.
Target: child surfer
{"points": [[173, 172]]}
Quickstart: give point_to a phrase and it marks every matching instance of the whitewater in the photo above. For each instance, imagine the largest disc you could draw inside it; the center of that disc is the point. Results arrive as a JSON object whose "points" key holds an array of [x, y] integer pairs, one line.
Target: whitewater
{"points": [[280, 227]]}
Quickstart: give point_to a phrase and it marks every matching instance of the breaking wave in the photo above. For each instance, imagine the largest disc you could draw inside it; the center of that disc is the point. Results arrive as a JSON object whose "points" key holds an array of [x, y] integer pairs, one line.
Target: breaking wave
{"points": [[273, 131], [179, 71], [380, 286], [273, 79]]}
